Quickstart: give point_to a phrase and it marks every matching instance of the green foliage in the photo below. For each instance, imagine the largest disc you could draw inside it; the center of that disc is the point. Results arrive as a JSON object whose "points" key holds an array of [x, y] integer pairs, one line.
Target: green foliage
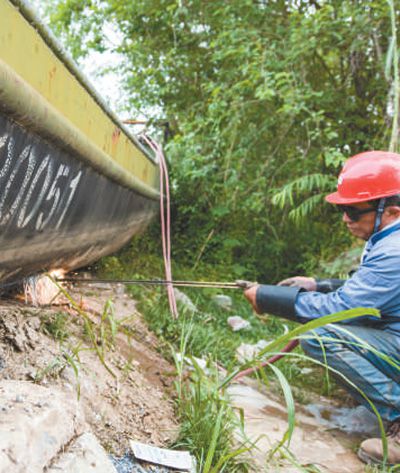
{"points": [[314, 184], [100, 336], [200, 399], [342, 264], [382, 469], [264, 102], [56, 325], [208, 422], [210, 335], [107, 328], [392, 61]]}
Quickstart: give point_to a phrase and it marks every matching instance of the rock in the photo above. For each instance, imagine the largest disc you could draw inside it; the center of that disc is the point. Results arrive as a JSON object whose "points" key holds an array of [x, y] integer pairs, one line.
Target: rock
{"points": [[189, 362], [306, 370], [184, 300], [36, 425], [20, 331], [237, 323], [225, 302], [19, 398], [13, 332], [83, 455], [246, 351]]}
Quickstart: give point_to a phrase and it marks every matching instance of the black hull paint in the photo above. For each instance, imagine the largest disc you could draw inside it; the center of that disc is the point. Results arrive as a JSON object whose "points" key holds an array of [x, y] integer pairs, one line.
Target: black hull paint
{"points": [[55, 211]]}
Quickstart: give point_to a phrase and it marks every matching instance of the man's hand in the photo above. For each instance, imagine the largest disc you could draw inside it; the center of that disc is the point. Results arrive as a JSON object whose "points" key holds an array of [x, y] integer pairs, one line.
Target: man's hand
{"points": [[309, 284], [250, 295]]}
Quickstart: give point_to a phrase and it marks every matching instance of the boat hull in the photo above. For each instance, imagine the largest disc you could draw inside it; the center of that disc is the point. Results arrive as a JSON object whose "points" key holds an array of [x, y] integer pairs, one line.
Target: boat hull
{"points": [[56, 211], [75, 184]]}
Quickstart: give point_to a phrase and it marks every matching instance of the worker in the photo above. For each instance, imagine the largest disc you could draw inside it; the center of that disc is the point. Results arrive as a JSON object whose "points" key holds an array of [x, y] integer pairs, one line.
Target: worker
{"points": [[368, 195]]}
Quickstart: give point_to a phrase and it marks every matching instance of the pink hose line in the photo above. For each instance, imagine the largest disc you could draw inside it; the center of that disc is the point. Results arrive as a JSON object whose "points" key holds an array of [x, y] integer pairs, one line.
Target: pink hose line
{"points": [[165, 214], [286, 349]]}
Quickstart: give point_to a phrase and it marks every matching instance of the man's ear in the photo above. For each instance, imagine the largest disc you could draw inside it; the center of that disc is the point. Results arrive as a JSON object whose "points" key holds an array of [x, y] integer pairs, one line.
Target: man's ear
{"points": [[393, 211]]}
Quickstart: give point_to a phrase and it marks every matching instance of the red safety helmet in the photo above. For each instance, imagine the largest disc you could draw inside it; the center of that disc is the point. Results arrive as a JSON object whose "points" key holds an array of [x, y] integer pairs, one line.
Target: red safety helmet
{"points": [[367, 176]]}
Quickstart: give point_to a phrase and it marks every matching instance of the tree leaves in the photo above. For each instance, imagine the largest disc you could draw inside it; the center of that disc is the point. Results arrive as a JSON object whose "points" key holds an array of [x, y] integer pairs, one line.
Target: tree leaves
{"points": [[264, 100]]}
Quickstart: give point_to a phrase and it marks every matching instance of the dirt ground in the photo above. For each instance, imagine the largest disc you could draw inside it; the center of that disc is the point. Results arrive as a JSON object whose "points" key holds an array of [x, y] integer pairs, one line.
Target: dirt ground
{"points": [[136, 403]]}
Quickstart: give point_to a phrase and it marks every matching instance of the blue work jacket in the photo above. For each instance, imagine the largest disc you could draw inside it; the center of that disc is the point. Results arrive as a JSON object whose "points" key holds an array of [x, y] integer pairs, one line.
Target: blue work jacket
{"points": [[375, 284]]}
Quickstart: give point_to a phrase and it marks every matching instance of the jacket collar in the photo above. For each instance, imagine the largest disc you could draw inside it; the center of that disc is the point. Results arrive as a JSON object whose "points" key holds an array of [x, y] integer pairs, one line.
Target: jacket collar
{"points": [[393, 227]]}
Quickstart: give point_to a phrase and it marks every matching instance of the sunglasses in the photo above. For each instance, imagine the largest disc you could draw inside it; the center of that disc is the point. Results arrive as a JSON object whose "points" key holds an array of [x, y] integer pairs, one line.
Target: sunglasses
{"points": [[354, 213]]}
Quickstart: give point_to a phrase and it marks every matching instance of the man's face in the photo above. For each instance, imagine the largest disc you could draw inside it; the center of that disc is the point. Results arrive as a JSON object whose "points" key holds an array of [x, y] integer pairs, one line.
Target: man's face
{"points": [[364, 226]]}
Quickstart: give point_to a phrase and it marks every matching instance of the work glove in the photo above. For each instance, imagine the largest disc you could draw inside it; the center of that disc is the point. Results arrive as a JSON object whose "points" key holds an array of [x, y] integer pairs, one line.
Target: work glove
{"points": [[309, 284]]}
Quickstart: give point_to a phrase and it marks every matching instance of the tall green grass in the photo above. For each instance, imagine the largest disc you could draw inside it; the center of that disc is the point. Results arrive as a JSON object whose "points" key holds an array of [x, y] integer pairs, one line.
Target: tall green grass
{"points": [[209, 425]]}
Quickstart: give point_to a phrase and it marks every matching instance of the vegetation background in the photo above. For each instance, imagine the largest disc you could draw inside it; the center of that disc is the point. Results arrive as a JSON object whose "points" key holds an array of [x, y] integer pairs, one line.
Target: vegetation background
{"points": [[258, 103]]}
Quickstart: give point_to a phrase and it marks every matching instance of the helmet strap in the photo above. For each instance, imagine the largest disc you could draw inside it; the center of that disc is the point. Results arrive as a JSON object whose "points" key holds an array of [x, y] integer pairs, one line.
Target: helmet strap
{"points": [[379, 213]]}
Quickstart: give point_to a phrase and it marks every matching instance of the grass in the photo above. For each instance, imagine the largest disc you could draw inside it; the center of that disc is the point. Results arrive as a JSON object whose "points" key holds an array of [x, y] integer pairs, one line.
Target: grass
{"points": [[378, 469], [212, 337], [69, 356], [208, 424], [55, 325], [100, 335], [201, 402]]}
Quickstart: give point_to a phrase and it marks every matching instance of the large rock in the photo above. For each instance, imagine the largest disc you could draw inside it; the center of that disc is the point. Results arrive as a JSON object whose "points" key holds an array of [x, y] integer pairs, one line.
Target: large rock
{"points": [[84, 455], [35, 425]]}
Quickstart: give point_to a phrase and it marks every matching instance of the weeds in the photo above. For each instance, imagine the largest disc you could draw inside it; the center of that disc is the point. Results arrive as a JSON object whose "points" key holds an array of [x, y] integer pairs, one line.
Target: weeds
{"points": [[96, 334], [302, 331], [286, 454], [101, 336], [108, 327], [208, 422], [380, 469], [55, 325], [68, 357], [201, 404]]}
